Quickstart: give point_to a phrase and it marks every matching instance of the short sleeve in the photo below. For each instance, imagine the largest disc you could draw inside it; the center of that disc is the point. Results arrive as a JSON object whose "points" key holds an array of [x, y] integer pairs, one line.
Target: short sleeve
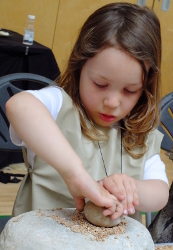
{"points": [[52, 98], [155, 169], [153, 143]]}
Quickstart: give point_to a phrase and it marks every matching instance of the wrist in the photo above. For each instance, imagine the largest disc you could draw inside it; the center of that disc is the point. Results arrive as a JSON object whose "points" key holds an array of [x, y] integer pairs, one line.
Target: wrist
{"points": [[73, 171]]}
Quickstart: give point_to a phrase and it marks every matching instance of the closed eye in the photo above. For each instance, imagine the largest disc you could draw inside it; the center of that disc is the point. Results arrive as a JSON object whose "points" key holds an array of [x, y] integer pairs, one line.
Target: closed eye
{"points": [[131, 92], [100, 86]]}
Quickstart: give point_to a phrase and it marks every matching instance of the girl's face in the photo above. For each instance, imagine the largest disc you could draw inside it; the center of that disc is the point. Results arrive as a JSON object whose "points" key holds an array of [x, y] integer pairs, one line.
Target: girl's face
{"points": [[110, 86]]}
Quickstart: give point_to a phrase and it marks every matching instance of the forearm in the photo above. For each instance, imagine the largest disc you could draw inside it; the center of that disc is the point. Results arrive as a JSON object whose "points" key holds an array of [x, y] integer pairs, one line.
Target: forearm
{"points": [[153, 195], [36, 127]]}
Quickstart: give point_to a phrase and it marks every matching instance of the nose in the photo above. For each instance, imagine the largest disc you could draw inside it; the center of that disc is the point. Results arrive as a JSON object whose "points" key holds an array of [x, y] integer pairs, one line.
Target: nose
{"points": [[112, 100]]}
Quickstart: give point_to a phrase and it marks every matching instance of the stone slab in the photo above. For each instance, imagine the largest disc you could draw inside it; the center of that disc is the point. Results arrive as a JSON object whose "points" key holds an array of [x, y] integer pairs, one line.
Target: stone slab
{"points": [[39, 230]]}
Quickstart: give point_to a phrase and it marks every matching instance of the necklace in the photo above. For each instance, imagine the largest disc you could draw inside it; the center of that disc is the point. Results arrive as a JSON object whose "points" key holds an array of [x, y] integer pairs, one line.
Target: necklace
{"points": [[103, 158]]}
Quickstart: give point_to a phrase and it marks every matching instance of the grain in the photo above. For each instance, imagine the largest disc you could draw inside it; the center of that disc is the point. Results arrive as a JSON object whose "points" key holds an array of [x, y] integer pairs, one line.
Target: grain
{"points": [[79, 224], [164, 248], [18, 219]]}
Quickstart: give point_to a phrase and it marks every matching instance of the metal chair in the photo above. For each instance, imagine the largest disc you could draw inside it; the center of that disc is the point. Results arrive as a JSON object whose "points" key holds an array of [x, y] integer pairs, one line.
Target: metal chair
{"points": [[161, 228], [165, 127], [9, 86], [166, 122]]}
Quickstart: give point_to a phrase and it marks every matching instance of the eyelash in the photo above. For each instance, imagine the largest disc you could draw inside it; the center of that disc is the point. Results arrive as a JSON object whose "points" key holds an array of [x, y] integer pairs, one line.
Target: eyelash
{"points": [[104, 86], [100, 86], [130, 92]]}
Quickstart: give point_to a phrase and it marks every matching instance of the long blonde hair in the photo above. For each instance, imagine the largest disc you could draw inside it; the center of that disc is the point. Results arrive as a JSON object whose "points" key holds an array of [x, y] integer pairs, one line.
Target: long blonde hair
{"points": [[135, 30]]}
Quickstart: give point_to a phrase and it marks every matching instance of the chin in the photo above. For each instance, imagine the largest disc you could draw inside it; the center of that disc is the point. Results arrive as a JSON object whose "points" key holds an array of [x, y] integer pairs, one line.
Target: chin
{"points": [[104, 124]]}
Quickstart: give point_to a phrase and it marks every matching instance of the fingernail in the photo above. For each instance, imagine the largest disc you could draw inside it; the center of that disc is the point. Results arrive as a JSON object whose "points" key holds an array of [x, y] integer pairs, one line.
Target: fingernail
{"points": [[131, 211], [125, 212]]}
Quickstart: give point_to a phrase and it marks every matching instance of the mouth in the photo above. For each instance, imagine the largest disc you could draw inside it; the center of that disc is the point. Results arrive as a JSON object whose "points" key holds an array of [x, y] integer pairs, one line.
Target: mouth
{"points": [[107, 118]]}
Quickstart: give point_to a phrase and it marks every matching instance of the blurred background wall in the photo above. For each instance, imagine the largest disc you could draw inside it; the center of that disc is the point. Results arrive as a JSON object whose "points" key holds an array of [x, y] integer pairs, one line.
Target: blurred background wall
{"points": [[58, 22]]}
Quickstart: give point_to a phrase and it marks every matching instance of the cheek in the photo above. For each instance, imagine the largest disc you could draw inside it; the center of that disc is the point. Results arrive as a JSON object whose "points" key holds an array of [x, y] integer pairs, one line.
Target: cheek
{"points": [[135, 102], [129, 103], [81, 91], [87, 94], [88, 101], [84, 96]]}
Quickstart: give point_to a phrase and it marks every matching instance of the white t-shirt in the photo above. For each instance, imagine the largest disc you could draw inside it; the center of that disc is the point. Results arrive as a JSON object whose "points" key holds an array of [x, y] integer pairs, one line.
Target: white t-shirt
{"points": [[52, 98]]}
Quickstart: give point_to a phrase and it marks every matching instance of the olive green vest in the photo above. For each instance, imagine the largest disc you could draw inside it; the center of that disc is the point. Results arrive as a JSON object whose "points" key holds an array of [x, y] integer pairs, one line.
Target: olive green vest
{"points": [[44, 188]]}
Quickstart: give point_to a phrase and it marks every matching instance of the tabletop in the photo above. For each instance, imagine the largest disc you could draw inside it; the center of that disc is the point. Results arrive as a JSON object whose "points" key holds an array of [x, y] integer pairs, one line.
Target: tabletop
{"points": [[15, 57]]}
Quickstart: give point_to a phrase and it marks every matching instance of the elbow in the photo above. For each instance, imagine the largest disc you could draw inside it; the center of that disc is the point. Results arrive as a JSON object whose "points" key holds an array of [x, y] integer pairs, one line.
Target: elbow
{"points": [[165, 196], [8, 108], [15, 105], [11, 108]]}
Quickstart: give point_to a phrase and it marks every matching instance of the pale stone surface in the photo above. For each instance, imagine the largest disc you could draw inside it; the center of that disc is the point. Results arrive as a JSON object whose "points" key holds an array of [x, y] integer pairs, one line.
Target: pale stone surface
{"points": [[94, 215], [35, 231]]}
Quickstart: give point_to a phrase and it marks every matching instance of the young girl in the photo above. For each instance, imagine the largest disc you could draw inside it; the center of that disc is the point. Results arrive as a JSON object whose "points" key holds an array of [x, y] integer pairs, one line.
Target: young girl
{"points": [[95, 137]]}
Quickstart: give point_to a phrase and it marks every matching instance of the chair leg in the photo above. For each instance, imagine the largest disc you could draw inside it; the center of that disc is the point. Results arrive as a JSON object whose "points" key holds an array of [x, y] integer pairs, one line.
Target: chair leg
{"points": [[148, 219], [171, 154]]}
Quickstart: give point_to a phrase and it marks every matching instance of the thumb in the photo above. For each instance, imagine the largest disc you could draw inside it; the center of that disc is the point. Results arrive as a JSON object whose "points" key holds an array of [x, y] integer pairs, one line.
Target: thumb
{"points": [[79, 203]]}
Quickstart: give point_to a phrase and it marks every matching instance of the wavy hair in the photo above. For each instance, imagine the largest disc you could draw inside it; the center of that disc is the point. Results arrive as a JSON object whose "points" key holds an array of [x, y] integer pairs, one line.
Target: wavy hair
{"points": [[135, 30]]}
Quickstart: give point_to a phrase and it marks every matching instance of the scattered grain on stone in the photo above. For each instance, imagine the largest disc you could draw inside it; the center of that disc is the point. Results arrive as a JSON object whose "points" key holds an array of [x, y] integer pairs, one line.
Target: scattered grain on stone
{"points": [[79, 224], [18, 219]]}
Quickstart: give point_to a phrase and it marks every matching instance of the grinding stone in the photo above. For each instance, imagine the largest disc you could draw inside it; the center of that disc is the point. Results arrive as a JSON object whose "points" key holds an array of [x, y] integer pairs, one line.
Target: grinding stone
{"points": [[94, 214], [38, 230]]}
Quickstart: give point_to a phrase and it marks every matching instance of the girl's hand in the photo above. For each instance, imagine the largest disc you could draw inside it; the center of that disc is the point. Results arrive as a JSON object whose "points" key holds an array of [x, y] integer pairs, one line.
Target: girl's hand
{"points": [[26, 113], [84, 186], [124, 188]]}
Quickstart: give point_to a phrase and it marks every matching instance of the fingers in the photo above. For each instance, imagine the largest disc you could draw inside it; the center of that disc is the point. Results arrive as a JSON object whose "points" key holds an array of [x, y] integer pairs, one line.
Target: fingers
{"points": [[79, 203], [113, 207], [115, 186], [103, 193], [89, 188], [125, 189], [131, 196], [104, 199], [118, 212], [114, 211]]}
